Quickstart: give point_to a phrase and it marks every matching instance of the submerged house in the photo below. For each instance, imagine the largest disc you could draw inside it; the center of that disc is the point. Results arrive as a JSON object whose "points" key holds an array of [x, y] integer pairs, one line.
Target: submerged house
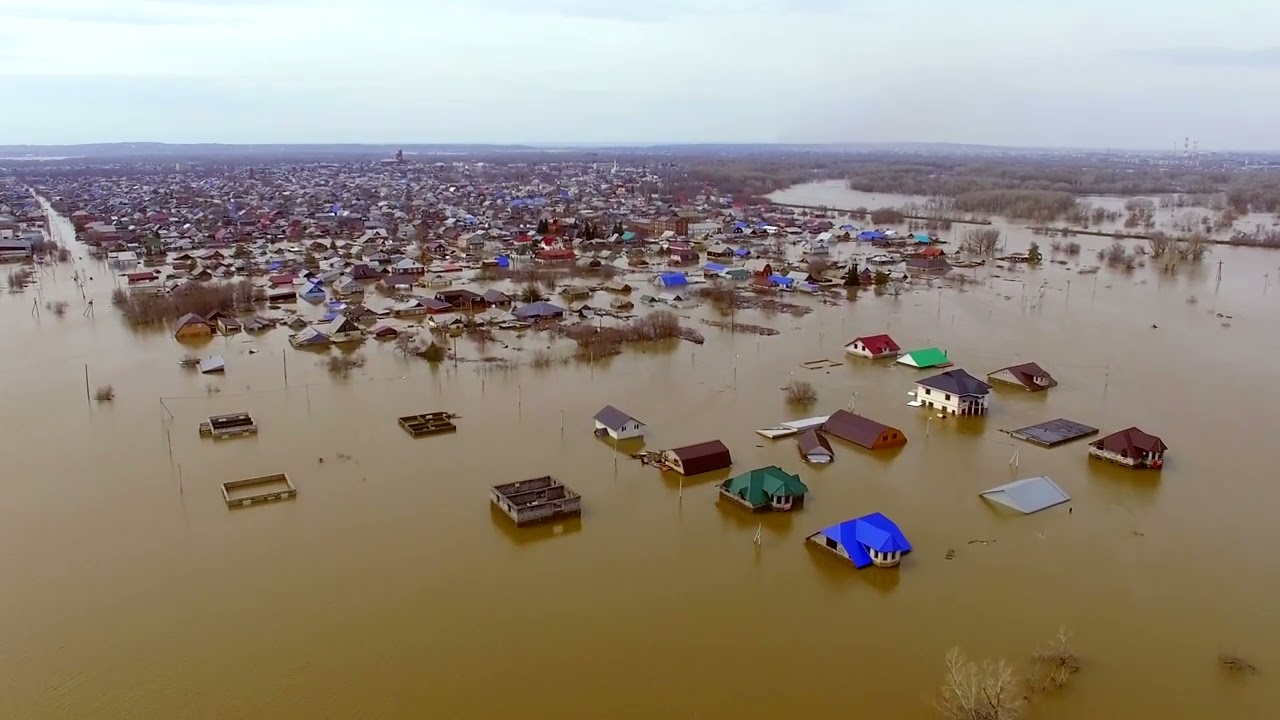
{"points": [[954, 391], [495, 298], [768, 488], [1029, 375], [698, 459], [671, 279], [873, 346], [309, 337], [192, 327], [342, 329], [1130, 447], [1028, 495], [311, 292], [925, 358], [863, 432], [538, 311], [347, 286], [814, 448], [869, 540], [462, 299], [223, 323], [928, 264], [536, 500], [618, 425]]}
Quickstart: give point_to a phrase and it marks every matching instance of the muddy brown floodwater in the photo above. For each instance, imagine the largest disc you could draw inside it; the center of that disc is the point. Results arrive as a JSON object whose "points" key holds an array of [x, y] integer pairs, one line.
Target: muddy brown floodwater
{"points": [[388, 588]]}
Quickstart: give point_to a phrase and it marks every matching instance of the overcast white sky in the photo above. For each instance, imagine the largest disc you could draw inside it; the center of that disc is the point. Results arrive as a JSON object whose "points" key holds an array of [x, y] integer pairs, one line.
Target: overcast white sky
{"points": [[1095, 73]]}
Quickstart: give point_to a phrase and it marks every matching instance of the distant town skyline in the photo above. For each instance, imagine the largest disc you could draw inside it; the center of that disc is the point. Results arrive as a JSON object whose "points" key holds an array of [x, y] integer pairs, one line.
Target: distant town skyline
{"points": [[1138, 74]]}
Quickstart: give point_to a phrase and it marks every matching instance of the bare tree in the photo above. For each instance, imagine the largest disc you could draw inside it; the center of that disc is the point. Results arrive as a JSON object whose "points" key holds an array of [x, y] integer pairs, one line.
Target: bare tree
{"points": [[981, 241], [406, 345], [989, 690], [817, 267], [1194, 247], [800, 392], [1159, 244], [1053, 665]]}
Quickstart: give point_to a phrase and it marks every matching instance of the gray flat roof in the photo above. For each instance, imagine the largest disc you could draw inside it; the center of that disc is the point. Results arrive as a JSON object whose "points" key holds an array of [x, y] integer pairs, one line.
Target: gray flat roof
{"points": [[1028, 495], [1054, 432]]}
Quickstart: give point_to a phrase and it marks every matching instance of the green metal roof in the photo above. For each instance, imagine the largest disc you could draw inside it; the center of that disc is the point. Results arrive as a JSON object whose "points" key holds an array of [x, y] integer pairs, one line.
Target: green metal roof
{"points": [[928, 357], [757, 486]]}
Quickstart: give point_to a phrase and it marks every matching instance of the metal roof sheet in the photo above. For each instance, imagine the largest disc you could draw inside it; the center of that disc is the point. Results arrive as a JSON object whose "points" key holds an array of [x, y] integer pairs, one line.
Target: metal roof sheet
{"points": [[1028, 495]]}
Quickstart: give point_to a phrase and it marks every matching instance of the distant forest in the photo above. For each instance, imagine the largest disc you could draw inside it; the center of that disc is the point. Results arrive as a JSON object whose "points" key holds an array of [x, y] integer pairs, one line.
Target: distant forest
{"points": [[984, 185]]}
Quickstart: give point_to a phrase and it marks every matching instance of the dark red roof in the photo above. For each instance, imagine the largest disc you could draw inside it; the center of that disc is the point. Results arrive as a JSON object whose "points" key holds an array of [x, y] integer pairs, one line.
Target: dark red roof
{"points": [[877, 344], [854, 428], [704, 457], [1132, 442]]}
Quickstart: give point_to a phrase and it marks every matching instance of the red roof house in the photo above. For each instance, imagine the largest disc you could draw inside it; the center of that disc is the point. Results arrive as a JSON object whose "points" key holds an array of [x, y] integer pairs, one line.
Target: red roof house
{"points": [[556, 255], [873, 346]]}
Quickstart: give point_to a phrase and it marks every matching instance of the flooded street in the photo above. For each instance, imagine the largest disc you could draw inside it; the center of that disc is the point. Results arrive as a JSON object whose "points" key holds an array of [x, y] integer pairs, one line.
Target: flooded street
{"points": [[389, 588]]}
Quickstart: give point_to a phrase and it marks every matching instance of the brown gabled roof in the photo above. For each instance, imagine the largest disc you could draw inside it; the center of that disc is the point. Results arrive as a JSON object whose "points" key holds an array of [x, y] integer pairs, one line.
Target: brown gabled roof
{"points": [[854, 428], [1026, 373], [810, 441], [703, 457], [1132, 442], [710, 448], [190, 319]]}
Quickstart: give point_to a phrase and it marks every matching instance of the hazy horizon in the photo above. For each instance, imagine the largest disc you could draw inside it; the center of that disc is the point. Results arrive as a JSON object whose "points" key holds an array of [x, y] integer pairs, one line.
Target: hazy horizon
{"points": [[1087, 75]]}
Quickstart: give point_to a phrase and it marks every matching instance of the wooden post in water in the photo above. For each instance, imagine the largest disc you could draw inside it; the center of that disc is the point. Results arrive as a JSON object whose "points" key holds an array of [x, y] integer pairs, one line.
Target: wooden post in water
{"points": [[285, 359], [87, 399]]}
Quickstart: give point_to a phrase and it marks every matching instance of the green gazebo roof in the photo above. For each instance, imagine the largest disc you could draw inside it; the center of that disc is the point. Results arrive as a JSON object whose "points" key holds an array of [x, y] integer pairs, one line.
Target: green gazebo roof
{"points": [[759, 485]]}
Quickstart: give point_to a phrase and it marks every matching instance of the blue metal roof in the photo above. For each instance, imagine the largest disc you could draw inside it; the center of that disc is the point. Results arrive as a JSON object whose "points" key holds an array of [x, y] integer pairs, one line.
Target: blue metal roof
{"points": [[742, 252], [714, 267], [874, 531], [673, 279], [871, 235], [780, 280], [503, 261]]}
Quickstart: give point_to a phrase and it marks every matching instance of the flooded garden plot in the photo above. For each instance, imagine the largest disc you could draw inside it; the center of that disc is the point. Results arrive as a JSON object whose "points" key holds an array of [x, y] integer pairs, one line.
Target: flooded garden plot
{"points": [[243, 493]]}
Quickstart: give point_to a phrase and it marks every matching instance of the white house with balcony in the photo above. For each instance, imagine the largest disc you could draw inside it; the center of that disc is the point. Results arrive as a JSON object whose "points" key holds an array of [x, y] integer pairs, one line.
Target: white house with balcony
{"points": [[954, 391]]}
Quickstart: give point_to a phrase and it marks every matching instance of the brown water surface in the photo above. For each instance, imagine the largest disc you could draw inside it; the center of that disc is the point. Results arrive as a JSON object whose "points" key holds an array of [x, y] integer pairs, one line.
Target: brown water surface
{"points": [[388, 588]]}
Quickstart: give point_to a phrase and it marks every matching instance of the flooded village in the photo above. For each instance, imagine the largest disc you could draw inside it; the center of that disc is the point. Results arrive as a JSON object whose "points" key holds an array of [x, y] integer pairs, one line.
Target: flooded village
{"points": [[323, 438]]}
